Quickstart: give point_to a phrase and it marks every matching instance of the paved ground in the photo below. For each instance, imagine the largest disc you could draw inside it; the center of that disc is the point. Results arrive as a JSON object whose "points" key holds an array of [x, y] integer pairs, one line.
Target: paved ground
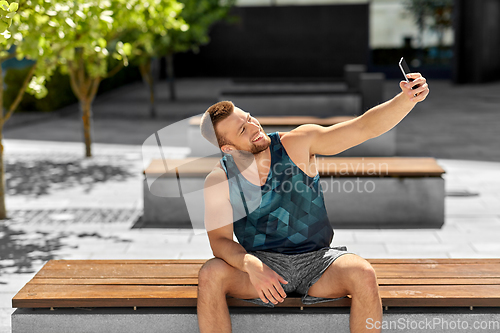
{"points": [[64, 206]]}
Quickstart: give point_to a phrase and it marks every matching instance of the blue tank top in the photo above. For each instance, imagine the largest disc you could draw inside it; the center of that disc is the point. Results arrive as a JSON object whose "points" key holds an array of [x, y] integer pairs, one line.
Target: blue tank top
{"points": [[287, 214]]}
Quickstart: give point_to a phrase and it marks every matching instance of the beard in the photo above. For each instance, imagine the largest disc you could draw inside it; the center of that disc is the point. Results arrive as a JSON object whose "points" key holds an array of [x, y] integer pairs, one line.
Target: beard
{"points": [[256, 149]]}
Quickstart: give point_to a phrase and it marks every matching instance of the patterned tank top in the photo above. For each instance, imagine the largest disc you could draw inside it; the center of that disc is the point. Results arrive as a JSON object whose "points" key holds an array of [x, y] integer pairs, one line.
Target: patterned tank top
{"points": [[287, 214]]}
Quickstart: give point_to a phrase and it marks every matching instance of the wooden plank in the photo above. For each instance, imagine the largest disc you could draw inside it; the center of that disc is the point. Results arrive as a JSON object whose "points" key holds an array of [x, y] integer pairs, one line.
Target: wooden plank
{"points": [[194, 281], [289, 120], [436, 270], [58, 262], [114, 281], [116, 269], [452, 296], [378, 166], [327, 166], [478, 261], [468, 261], [104, 296], [437, 281], [120, 270]]}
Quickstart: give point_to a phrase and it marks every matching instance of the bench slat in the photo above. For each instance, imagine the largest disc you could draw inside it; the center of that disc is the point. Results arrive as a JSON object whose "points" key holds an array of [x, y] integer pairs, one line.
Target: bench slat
{"points": [[186, 269], [131, 295], [190, 270], [113, 281], [122, 271], [194, 281], [327, 166], [468, 261]]}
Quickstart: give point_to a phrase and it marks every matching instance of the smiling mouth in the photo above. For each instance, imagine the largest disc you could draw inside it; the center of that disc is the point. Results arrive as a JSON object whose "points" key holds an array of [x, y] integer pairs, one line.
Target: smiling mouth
{"points": [[259, 137]]}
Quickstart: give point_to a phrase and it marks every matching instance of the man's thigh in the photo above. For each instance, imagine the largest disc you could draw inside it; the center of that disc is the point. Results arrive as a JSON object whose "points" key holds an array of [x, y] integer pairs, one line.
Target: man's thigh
{"points": [[236, 283], [337, 281]]}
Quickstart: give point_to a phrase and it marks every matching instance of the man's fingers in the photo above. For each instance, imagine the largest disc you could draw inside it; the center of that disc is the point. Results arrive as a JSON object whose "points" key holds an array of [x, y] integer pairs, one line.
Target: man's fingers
{"points": [[421, 88], [263, 296], [413, 75], [281, 279], [421, 96], [280, 290], [270, 296], [277, 295]]}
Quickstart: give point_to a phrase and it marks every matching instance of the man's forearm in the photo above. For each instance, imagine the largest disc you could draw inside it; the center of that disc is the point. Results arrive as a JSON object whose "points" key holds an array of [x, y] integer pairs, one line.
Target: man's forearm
{"points": [[234, 254], [385, 116]]}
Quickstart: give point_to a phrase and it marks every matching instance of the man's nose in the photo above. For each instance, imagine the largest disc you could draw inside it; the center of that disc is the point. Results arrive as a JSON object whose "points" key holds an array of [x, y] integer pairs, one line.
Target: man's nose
{"points": [[255, 124]]}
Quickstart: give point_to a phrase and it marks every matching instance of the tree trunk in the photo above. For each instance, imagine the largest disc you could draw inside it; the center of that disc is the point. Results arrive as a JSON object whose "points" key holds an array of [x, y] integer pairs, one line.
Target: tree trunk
{"points": [[170, 76], [3, 120], [86, 112], [148, 78], [3, 210]]}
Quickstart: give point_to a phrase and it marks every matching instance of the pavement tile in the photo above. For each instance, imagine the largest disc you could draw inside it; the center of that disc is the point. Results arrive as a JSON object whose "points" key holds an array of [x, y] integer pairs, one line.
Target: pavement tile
{"points": [[462, 254], [403, 255], [397, 236], [427, 249], [468, 237], [366, 248], [342, 236], [492, 247]]}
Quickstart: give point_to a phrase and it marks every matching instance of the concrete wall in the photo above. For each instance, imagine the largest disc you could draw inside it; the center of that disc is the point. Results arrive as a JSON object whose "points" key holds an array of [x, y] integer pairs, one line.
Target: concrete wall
{"points": [[477, 47], [283, 41]]}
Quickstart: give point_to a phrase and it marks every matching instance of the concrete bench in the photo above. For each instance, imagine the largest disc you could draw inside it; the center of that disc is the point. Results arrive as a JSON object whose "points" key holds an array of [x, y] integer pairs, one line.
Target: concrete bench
{"points": [[359, 92], [383, 145], [160, 296], [359, 192]]}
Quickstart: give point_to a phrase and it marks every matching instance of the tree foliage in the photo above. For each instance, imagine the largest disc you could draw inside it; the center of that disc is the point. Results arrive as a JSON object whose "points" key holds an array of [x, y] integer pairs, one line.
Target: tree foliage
{"points": [[433, 14], [87, 40]]}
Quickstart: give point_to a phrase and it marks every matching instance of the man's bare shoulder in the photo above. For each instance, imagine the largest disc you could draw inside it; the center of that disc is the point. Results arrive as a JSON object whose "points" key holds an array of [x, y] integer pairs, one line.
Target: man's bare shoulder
{"points": [[299, 139], [216, 176], [301, 131]]}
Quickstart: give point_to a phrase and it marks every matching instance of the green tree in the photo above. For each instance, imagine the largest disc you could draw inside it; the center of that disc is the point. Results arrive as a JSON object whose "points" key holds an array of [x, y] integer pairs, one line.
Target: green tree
{"points": [[199, 16], [90, 42], [22, 37], [145, 41], [433, 14]]}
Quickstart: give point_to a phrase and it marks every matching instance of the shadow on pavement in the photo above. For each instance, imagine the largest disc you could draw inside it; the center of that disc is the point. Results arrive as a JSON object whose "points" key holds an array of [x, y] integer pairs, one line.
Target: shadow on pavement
{"points": [[37, 178], [19, 250]]}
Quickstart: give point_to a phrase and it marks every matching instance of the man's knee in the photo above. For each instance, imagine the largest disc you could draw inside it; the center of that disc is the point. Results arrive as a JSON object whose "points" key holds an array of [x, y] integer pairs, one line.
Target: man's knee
{"points": [[364, 277], [212, 273]]}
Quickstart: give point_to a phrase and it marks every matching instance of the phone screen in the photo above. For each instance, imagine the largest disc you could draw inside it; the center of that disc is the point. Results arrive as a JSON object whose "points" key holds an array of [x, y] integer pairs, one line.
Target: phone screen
{"points": [[404, 68]]}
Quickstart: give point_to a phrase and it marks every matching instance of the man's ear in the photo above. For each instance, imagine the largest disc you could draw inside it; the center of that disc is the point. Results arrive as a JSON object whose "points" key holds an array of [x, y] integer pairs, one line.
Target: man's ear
{"points": [[227, 149]]}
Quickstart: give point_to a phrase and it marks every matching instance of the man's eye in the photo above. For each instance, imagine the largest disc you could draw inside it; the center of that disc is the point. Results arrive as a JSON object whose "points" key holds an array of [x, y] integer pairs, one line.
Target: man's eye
{"points": [[243, 130]]}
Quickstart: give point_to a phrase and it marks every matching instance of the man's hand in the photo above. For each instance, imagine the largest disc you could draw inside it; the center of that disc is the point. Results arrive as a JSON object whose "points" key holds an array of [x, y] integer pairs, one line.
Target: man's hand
{"points": [[265, 281], [418, 94]]}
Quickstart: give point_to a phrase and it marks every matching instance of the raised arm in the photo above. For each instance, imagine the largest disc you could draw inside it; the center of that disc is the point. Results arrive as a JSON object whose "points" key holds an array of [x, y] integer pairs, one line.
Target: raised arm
{"points": [[335, 139]]}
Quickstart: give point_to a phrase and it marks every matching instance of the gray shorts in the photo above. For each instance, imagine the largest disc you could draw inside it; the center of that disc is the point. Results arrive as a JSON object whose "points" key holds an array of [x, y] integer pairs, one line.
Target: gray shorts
{"points": [[301, 271]]}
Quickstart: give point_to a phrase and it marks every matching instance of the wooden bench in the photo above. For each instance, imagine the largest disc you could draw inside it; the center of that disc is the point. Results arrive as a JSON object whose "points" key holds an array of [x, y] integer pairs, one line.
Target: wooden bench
{"points": [[161, 295], [383, 145], [368, 192]]}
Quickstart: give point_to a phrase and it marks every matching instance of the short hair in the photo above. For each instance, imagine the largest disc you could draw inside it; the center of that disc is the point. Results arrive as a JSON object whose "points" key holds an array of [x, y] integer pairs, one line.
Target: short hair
{"points": [[214, 115]]}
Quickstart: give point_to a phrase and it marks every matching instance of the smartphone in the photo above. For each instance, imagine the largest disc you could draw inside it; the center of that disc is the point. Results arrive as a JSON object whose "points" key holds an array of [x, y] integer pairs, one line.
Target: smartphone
{"points": [[405, 69]]}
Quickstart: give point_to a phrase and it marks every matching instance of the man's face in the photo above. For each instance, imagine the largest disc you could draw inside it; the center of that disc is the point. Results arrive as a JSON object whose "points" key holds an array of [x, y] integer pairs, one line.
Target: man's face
{"points": [[243, 132]]}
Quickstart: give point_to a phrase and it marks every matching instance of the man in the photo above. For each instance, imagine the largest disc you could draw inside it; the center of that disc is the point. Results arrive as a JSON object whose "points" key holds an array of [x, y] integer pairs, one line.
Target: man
{"points": [[284, 236]]}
